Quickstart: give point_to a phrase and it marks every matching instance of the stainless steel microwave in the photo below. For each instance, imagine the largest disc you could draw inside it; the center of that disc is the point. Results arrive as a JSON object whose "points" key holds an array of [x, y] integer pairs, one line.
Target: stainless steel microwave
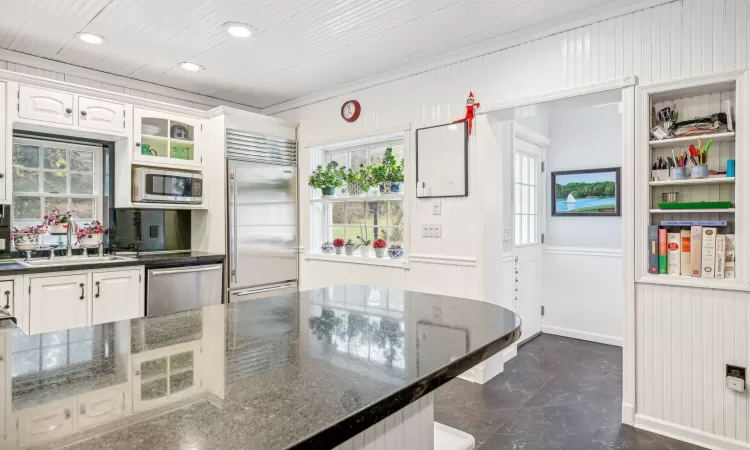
{"points": [[166, 186]]}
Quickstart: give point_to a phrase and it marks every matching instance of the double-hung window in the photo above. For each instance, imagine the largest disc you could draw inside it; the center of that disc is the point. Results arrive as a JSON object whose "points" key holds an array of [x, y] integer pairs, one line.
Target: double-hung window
{"points": [[55, 175], [370, 215]]}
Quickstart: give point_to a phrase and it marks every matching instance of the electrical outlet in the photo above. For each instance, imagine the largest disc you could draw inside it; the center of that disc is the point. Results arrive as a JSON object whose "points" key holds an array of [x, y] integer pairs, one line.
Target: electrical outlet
{"points": [[436, 208], [437, 230], [425, 231], [736, 378], [506, 234]]}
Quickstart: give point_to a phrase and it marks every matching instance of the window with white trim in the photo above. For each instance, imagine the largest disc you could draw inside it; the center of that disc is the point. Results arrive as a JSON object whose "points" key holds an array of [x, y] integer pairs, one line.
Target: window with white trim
{"points": [[49, 175], [525, 204], [376, 216]]}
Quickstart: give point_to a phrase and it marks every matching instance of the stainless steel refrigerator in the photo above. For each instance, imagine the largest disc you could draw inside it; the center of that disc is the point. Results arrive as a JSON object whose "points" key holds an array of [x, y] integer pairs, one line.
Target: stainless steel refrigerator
{"points": [[262, 209]]}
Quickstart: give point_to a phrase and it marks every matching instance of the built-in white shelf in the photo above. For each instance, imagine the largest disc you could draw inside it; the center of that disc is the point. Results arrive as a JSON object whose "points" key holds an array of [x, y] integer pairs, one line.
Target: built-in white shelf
{"points": [[676, 142], [694, 182], [678, 280], [688, 211], [382, 198]]}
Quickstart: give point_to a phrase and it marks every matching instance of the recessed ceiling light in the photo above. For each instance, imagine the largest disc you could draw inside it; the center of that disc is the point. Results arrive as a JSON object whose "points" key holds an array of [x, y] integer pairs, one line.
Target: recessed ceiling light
{"points": [[90, 38], [191, 67], [240, 30]]}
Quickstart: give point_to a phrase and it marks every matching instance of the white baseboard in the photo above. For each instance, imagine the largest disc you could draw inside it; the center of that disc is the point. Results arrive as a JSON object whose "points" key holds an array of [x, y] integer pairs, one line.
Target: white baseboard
{"points": [[628, 414], [583, 335], [687, 434]]}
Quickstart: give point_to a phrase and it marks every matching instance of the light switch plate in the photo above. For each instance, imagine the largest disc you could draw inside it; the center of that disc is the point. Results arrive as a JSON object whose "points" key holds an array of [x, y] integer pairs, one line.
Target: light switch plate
{"points": [[436, 231], [506, 234], [437, 208], [425, 231]]}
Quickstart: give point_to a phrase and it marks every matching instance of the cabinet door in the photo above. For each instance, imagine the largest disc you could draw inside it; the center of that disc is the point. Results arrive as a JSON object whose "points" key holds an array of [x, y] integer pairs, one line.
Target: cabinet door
{"points": [[101, 115], [116, 295], [45, 423], [166, 139], [6, 296], [57, 303], [100, 408], [3, 178], [45, 105], [165, 376]]}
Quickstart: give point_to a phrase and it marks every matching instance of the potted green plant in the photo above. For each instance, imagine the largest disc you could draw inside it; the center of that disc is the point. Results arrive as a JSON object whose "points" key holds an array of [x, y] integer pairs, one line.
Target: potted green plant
{"points": [[353, 182], [365, 243], [390, 174], [367, 178], [380, 246], [327, 178], [338, 244], [350, 247]]}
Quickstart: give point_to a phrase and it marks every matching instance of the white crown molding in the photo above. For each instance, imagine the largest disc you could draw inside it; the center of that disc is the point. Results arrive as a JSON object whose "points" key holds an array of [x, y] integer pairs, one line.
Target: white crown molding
{"points": [[118, 80], [464, 54], [444, 260], [584, 251]]}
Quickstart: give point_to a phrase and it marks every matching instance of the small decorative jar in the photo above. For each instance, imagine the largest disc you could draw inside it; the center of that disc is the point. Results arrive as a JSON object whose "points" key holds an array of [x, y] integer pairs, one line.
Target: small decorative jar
{"points": [[396, 188], [384, 187], [26, 242], [365, 250], [327, 248], [396, 252]]}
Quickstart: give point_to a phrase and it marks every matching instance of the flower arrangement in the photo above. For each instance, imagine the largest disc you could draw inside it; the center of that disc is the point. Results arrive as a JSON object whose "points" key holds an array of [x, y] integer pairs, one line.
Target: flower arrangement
{"points": [[91, 234], [326, 179], [57, 221], [33, 229], [27, 238], [338, 244], [380, 245]]}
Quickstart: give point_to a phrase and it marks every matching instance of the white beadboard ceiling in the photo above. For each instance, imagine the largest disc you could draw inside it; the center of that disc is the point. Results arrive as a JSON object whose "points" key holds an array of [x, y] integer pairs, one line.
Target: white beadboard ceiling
{"points": [[301, 46]]}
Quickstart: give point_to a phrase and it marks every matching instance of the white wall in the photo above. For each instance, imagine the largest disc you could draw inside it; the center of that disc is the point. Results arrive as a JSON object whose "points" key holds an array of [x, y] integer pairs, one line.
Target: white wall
{"points": [[676, 40]]}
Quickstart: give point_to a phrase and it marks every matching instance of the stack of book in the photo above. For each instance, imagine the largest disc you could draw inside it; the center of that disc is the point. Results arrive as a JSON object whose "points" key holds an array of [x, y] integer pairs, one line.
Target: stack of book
{"points": [[696, 250]]}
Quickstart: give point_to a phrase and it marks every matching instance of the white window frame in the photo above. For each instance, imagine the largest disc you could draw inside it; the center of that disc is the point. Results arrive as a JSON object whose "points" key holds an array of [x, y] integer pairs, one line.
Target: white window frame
{"points": [[518, 187], [98, 176], [321, 214]]}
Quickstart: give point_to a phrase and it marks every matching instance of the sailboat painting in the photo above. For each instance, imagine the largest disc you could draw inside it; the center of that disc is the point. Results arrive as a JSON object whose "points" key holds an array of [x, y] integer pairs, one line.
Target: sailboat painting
{"points": [[592, 192]]}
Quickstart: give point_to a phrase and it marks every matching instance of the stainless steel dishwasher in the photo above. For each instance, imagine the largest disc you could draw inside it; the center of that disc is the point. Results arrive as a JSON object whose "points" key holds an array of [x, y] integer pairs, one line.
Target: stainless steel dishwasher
{"points": [[182, 288]]}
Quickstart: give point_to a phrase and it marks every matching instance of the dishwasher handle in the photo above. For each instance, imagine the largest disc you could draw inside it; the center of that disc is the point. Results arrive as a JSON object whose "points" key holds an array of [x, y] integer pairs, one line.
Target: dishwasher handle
{"points": [[186, 270], [268, 289]]}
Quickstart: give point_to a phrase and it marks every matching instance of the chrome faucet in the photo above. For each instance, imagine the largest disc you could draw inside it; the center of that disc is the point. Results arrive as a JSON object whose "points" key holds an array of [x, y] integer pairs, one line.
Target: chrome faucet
{"points": [[69, 249]]}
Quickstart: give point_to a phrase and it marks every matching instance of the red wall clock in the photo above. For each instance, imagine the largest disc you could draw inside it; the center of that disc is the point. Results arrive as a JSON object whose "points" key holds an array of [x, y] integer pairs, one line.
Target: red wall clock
{"points": [[350, 110]]}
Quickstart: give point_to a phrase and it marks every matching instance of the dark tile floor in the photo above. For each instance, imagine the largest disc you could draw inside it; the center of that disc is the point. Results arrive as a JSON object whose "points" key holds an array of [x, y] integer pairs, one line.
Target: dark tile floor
{"points": [[558, 393]]}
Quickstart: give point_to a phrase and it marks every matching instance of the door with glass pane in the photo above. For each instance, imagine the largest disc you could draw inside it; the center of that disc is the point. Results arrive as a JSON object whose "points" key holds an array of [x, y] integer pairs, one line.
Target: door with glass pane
{"points": [[165, 376], [528, 210], [166, 139]]}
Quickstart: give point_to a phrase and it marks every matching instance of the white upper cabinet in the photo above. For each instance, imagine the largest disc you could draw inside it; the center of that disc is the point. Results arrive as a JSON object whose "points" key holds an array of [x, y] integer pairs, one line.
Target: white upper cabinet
{"points": [[45, 105], [100, 114], [167, 139]]}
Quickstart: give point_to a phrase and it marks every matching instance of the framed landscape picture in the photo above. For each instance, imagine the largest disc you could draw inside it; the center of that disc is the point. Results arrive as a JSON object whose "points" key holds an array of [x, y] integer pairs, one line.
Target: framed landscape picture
{"points": [[592, 192]]}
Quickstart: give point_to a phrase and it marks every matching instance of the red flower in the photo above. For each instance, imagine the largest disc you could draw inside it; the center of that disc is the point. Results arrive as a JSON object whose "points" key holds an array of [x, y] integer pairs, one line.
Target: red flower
{"points": [[380, 243], [338, 242]]}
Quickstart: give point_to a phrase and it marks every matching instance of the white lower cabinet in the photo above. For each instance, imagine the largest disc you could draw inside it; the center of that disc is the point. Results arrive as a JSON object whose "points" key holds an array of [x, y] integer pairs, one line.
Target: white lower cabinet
{"points": [[77, 299], [116, 295], [42, 424], [100, 408], [58, 302], [7, 293]]}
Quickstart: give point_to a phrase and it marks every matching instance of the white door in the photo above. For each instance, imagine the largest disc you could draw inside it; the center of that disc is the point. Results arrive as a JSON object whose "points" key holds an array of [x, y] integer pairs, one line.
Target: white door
{"points": [[528, 213], [101, 115], [57, 303], [4, 178], [116, 295], [45, 105]]}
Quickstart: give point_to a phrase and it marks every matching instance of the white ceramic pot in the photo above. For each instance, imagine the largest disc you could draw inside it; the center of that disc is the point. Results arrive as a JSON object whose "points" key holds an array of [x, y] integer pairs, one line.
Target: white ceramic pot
{"points": [[380, 252], [26, 242], [339, 250], [90, 242], [366, 251], [59, 228]]}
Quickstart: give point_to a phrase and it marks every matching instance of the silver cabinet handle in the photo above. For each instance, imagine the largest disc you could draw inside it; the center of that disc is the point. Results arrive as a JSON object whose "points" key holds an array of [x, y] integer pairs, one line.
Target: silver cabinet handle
{"points": [[83, 113], [82, 409], [7, 299], [68, 110], [198, 269], [272, 288], [232, 229], [67, 413]]}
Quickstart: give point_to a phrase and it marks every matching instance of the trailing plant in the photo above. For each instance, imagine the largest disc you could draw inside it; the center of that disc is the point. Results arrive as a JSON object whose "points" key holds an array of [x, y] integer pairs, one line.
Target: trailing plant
{"points": [[329, 176]]}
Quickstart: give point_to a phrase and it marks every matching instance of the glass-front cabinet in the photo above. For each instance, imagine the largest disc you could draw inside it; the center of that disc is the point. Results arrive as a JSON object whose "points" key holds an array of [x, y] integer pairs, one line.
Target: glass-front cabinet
{"points": [[166, 138], [165, 375]]}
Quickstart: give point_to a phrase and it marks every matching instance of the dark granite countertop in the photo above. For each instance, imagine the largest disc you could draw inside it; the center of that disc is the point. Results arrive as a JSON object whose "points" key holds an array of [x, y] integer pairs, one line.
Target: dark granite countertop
{"points": [[145, 259], [303, 370]]}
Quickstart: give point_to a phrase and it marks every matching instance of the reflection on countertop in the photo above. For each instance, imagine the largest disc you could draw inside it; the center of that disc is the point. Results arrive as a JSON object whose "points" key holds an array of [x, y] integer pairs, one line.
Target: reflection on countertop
{"points": [[298, 370]]}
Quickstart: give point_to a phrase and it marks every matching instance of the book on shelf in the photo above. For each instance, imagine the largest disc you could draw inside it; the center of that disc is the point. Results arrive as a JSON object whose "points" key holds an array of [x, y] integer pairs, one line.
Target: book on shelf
{"points": [[653, 249], [696, 233], [685, 269], [721, 255], [730, 267], [690, 223], [708, 252], [662, 251], [673, 253]]}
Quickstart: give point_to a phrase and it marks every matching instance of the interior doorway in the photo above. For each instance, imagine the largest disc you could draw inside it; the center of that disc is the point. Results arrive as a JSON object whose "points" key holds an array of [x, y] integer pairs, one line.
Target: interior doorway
{"points": [[567, 268]]}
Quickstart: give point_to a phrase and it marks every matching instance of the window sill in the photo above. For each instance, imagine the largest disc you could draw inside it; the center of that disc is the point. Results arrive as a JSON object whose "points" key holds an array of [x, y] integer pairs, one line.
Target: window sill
{"points": [[356, 259]]}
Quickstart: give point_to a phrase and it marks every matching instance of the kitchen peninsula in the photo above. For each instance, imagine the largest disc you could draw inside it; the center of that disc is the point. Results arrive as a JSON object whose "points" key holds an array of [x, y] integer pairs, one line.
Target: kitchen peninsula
{"points": [[338, 366]]}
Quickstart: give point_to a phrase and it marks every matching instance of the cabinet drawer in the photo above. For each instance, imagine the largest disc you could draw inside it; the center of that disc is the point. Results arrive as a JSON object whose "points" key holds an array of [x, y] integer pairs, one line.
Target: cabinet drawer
{"points": [[100, 408], [6, 296], [45, 105], [45, 423], [101, 114]]}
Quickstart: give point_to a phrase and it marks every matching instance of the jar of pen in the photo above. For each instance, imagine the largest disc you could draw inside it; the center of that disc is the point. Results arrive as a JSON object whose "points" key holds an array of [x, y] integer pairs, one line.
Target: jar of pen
{"points": [[699, 159]]}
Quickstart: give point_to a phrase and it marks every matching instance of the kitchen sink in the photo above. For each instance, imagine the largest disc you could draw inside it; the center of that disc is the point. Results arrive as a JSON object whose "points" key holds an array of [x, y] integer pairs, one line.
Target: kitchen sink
{"points": [[73, 260]]}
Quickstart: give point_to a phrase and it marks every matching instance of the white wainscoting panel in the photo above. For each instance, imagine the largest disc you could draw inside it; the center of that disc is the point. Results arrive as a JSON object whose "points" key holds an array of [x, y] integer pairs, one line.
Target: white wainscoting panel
{"points": [[412, 428], [684, 338], [582, 293]]}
